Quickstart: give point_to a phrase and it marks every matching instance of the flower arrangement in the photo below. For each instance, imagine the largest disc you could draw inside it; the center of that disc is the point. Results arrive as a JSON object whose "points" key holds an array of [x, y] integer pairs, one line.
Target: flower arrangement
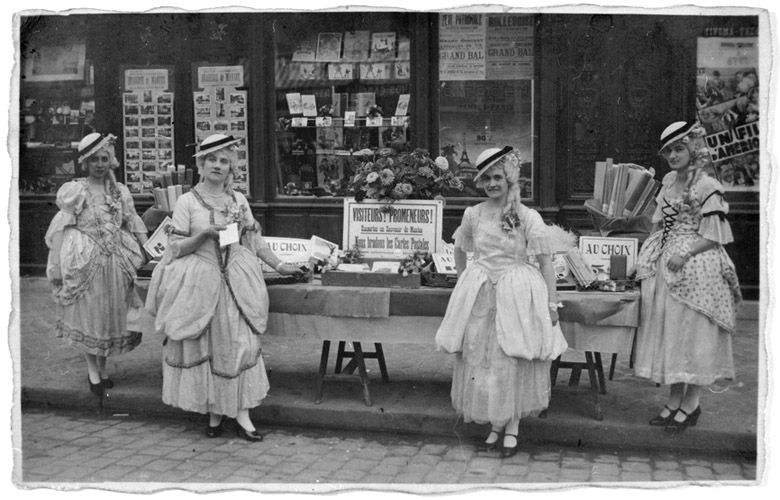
{"points": [[404, 176], [351, 255], [374, 111], [418, 262], [234, 212], [326, 110], [510, 222]]}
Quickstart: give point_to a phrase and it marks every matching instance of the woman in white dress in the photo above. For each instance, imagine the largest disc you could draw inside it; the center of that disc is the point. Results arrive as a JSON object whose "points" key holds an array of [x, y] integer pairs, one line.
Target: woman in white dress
{"points": [[690, 289], [502, 318], [210, 301], [95, 247]]}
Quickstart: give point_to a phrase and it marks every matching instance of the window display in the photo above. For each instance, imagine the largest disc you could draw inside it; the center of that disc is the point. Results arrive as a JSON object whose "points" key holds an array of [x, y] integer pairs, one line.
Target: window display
{"points": [[342, 92], [486, 92]]}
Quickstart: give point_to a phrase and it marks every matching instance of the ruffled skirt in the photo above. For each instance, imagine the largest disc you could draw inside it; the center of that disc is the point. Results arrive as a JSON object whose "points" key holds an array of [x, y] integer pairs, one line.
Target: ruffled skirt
{"points": [[487, 385], [676, 344], [96, 295], [221, 369]]}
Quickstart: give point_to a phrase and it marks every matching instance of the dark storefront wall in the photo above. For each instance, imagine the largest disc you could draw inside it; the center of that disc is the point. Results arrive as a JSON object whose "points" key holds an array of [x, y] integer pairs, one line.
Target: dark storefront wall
{"points": [[605, 86]]}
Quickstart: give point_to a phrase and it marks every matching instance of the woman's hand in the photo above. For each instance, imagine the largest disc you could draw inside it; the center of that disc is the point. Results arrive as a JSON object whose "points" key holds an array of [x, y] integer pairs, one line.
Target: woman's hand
{"points": [[554, 316], [212, 232], [289, 269], [676, 262]]}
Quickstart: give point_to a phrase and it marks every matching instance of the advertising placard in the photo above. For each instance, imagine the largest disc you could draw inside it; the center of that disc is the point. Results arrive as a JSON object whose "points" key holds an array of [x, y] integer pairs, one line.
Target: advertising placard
{"points": [[392, 231]]}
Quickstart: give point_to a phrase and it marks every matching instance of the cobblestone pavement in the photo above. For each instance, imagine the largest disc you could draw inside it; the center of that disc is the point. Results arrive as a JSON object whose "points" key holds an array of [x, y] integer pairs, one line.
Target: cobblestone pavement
{"points": [[68, 447]]}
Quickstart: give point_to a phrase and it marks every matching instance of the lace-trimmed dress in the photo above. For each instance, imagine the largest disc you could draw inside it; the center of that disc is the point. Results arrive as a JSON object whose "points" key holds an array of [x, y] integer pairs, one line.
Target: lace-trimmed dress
{"points": [[498, 300], [688, 316], [93, 250], [215, 300]]}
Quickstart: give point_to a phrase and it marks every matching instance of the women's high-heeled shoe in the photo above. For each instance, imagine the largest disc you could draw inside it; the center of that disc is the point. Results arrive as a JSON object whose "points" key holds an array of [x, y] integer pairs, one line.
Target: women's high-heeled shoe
{"points": [[485, 446], [96, 389], [691, 419], [217, 430], [253, 436], [660, 421], [507, 452]]}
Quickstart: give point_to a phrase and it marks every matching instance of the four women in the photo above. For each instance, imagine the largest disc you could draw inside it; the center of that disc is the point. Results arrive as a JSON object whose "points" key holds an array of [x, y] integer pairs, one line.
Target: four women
{"points": [[209, 298]]}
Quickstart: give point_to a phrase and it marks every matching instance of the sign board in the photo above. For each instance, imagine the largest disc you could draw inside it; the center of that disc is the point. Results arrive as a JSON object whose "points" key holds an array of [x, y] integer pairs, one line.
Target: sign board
{"points": [[292, 250], [596, 251], [156, 244], [393, 231]]}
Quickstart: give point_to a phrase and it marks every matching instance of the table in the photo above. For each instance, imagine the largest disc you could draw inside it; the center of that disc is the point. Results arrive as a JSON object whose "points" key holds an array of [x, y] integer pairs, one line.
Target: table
{"points": [[593, 322]]}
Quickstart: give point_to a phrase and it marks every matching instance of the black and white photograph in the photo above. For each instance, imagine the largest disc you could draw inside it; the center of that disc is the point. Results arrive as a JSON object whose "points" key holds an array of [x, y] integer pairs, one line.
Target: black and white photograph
{"points": [[550, 236]]}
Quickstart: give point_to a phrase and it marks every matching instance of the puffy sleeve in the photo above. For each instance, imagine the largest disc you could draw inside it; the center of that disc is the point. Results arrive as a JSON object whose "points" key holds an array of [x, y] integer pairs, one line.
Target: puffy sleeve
{"points": [[132, 221], [180, 227], [70, 200], [464, 235], [536, 234], [667, 181], [713, 225]]}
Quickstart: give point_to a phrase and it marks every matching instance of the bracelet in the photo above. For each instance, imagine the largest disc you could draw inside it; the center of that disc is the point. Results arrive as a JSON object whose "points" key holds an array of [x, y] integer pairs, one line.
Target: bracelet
{"points": [[277, 266], [555, 305], [687, 255]]}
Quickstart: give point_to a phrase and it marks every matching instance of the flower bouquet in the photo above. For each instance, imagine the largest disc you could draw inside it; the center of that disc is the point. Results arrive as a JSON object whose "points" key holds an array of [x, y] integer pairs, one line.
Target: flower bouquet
{"points": [[406, 176]]}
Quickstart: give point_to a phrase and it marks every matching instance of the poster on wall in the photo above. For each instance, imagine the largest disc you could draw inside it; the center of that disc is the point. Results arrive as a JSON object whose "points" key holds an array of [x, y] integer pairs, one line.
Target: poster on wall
{"points": [[147, 116], [727, 94], [477, 115], [485, 46], [220, 108]]}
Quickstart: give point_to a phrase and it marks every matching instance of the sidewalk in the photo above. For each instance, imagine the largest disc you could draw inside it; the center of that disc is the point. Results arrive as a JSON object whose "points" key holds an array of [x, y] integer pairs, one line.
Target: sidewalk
{"points": [[416, 400]]}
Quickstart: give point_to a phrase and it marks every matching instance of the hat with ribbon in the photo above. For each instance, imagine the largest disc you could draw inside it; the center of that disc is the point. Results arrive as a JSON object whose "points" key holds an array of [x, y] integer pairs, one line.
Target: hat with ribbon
{"points": [[675, 132], [216, 142], [489, 157], [92, 143]]}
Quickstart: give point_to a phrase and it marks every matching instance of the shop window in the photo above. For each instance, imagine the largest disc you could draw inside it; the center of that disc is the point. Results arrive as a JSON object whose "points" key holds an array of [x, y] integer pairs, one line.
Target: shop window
{"points": [[486, 92], [56, 101], [342, 92]]}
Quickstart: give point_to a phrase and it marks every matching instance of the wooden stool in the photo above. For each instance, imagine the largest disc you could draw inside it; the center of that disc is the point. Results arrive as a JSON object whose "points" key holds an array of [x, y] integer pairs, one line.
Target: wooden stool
{"points": [[595, 374], [356, 361]]}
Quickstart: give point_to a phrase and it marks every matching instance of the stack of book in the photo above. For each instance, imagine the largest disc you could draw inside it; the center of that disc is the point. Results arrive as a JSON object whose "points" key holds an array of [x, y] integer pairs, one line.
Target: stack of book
{"points": [[170, 185], [624, 189], [581, 270]]}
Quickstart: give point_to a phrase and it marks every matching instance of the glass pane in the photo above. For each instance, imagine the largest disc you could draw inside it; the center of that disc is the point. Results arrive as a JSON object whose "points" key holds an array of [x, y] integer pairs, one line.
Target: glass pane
{"points": [[477, 115], [486, 91], [342, 87]]}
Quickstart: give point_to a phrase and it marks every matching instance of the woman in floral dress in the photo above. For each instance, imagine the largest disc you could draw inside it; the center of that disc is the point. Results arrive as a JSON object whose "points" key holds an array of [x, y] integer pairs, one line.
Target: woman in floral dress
{"points": [[210, 300], [94, 250], [502, 318], [689, 285]]}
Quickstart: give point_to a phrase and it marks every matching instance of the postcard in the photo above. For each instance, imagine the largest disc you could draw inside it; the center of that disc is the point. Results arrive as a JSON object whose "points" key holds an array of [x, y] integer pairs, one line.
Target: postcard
{"points": [[309, 103], [402, 108], [294, 103], [329, 47]]}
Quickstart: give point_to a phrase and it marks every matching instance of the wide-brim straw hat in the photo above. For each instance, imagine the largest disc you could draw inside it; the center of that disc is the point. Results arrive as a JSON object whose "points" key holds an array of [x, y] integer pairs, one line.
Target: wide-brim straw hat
{"points": [[214, 143], [91, 144], [674, 133], [489, 157]]}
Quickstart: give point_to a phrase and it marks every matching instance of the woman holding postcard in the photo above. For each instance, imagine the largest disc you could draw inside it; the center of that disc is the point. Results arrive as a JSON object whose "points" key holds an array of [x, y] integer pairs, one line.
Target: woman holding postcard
{"points": [[689, 285], [95, 247], [502, 318], [209, 299]]}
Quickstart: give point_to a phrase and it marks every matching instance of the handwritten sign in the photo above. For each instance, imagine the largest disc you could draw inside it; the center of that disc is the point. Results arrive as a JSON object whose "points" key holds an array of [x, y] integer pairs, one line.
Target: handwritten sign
{"points": [[393, 231], [596, 252]]}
